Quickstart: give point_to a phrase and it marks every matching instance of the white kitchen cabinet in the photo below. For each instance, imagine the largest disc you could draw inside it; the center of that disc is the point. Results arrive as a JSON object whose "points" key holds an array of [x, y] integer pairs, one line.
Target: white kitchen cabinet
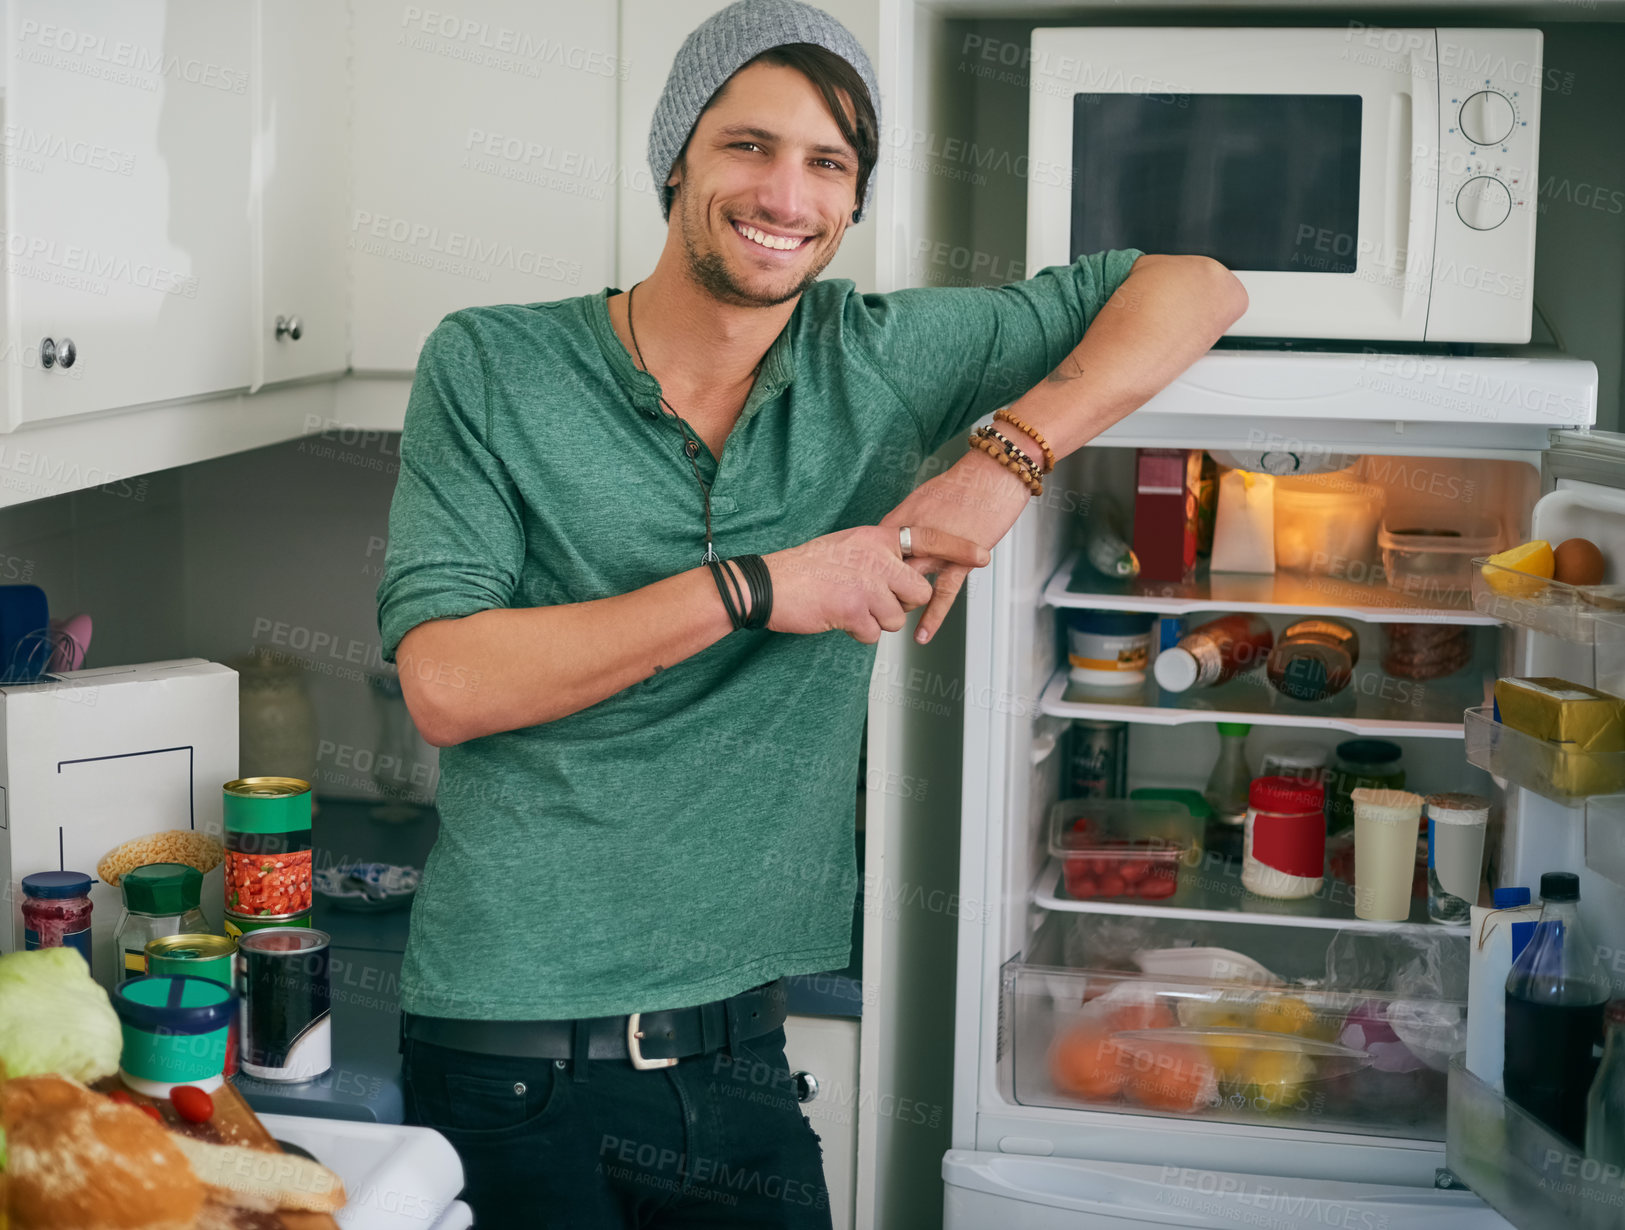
{"points": [[485, 162], [300, 170], [127, 203], [823, 1052]]}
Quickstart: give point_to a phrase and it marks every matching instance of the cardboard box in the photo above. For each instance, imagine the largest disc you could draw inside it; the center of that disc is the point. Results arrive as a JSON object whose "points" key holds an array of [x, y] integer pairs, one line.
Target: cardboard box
{"points": [[1165, 502], [90, 759]]}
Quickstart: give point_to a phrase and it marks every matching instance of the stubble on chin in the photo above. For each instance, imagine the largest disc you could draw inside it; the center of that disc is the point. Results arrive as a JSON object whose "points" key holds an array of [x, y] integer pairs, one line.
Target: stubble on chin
{"points": [[709, 268]]}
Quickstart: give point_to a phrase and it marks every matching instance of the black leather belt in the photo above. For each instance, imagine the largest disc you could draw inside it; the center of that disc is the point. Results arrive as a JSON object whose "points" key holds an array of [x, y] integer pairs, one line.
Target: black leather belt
{"points": [[647, 1039]]}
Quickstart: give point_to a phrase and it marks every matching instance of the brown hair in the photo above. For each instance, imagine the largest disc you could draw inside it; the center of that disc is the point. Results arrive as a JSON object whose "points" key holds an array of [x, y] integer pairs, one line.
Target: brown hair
{"points": [[831, 74]]}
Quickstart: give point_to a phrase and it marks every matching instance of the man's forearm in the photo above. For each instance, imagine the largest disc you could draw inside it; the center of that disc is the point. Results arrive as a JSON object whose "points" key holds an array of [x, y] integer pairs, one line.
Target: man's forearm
{"points": [[1167, 314], [507, 668]]}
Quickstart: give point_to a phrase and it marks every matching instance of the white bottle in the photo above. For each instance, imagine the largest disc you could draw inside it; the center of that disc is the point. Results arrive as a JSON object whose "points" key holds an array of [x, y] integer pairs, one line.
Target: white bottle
{"points": [[1489, 960]]}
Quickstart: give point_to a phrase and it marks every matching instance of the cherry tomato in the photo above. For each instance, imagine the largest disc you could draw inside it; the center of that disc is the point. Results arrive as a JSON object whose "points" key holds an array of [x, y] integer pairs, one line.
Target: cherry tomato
{"points": [[1134, 870], [1112, 885], [1080, 887], [1157, 887], [121, 1097], [191, 1103], [148, 1109]]}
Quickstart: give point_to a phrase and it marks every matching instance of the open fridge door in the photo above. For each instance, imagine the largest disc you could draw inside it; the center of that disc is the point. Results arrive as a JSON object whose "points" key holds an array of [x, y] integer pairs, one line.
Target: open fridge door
{"points": [[1564, 811]]}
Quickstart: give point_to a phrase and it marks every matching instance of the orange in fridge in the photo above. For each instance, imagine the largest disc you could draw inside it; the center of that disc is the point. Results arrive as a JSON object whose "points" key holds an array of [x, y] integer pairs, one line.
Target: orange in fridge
{"points": [[1086, 1063]]}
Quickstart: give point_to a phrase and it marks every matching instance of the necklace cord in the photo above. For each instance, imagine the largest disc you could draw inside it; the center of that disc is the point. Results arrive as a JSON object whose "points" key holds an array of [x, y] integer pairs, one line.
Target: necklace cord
{"points": [[689, 433]]}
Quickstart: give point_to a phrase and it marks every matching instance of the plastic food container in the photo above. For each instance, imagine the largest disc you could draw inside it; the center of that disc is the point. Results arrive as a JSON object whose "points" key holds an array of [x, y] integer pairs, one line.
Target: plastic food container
{"points": [[1127, 848], [1429, 555], [174, 1032], [1327, 524], [1109, 648]]}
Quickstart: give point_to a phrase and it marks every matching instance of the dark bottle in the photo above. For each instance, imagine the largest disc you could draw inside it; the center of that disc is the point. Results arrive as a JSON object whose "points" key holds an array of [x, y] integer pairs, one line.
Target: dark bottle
{"points": [[1555, 993]]}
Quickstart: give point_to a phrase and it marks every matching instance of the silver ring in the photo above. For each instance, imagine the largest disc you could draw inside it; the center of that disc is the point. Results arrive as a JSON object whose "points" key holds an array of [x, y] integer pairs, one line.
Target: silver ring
{"points": [[906, 541]]}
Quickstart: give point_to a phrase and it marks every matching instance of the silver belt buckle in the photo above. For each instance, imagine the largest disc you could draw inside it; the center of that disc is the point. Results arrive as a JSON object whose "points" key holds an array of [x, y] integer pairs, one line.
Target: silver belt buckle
{"points": [[635, 1052]]}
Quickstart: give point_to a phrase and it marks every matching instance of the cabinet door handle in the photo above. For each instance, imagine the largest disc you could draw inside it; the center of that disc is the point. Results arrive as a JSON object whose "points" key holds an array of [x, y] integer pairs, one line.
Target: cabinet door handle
{"points": [[289, 327], [806, 1086], [53, 352]]}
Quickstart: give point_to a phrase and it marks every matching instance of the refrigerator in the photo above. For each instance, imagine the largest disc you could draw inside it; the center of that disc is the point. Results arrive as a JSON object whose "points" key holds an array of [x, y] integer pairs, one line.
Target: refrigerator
{"points": [[1366, 1135]]}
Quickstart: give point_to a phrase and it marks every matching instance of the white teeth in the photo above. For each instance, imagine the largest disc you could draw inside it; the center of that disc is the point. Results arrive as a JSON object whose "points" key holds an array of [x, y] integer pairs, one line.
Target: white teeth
{"points": [[776, 242]]}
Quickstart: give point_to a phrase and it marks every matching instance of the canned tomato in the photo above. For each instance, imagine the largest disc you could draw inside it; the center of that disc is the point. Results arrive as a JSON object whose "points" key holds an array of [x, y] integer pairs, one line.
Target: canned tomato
{"points": [[268, 862], [198, 956], [282, 977], [239, 925]]}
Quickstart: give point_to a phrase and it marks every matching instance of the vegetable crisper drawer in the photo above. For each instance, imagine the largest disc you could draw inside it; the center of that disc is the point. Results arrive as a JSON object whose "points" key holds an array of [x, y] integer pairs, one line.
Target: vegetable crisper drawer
{"points": [[1285, 1057]]}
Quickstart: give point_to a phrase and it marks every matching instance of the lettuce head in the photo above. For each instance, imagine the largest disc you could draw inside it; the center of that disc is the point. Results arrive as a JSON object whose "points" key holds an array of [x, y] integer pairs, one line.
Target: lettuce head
{"points": [[55, 1018]]}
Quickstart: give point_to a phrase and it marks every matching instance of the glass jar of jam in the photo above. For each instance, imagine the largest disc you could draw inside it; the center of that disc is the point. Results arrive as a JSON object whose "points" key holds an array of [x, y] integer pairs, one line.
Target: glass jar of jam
{"points": [[56, 911]]}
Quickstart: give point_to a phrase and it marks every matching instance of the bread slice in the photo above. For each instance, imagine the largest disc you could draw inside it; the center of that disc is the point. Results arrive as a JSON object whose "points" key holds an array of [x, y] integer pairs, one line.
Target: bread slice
{"points": [[80, 1160], [261, 1180]]}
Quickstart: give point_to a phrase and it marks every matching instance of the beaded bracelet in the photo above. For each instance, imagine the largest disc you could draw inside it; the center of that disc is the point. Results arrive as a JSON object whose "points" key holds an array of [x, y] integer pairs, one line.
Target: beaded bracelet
{"points": [[994, 450], [1013, 449], [1049, 456], [1020, 462]]}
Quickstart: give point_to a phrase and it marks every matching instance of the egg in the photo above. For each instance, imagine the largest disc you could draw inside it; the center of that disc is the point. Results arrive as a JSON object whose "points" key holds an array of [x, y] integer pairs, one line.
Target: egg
{"points": [[1578, 562]]}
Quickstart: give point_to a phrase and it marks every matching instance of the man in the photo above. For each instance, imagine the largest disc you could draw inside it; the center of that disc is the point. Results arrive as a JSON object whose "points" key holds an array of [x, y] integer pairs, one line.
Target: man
{"points": [[647, 782]]}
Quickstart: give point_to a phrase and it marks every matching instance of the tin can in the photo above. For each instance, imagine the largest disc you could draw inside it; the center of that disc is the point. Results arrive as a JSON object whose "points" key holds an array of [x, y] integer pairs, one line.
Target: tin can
{"points": [[198, 956], [239, 925], [1097, 762], [268, 859], [282, 978]]}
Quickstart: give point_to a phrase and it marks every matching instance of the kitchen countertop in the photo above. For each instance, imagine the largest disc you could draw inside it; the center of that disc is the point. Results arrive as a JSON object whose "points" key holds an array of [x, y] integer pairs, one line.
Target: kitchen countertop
{"points": [[365, 1080]]}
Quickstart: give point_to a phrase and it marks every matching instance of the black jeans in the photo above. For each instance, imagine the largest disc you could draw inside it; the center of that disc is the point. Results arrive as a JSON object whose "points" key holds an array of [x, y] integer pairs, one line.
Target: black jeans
{"points": [[716, 1141]]}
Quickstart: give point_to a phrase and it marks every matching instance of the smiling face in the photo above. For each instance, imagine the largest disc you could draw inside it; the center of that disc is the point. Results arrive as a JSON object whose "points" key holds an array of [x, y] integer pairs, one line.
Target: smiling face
{"points": [[766, 188]]}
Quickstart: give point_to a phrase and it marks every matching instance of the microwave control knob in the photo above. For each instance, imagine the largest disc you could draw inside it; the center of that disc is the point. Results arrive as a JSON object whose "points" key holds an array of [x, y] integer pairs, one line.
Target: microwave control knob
{"points": [[1486, 118], [1483, 203]]}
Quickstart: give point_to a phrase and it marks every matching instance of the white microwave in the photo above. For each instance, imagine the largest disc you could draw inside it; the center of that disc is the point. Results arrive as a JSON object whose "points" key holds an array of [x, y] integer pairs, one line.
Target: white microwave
{"points": [[1364, 183]]}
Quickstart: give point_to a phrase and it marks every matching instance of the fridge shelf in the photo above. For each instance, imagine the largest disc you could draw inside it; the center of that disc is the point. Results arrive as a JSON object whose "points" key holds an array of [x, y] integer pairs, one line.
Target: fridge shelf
{"points": [[1213, 890], [1520, 1167], [1584, 614], [1552, 770], [1076, 584], [1374, 704], [1229, 1052]]}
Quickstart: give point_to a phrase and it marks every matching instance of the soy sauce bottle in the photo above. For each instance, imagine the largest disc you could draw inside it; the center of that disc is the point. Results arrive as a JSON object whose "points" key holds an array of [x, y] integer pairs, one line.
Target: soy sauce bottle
{"points": [[1555, 997]]}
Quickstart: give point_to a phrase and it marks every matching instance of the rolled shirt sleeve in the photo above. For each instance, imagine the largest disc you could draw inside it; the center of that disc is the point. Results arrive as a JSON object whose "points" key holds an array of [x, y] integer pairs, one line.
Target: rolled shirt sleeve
{"points": [[456, 537], [955, 354]]}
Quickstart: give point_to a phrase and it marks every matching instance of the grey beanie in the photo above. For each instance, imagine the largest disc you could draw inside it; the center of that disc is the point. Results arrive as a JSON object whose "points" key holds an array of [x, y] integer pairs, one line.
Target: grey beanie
{"points": [[718, 48]]}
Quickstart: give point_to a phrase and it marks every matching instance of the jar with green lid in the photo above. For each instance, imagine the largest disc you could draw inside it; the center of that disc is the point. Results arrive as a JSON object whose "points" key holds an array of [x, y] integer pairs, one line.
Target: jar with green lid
{"points": [[159, 899], [1373, 764]]}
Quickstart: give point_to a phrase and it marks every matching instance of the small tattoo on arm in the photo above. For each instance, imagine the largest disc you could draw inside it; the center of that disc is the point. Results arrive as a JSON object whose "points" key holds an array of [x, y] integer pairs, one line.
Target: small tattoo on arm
{"points": [[1070, 369]]}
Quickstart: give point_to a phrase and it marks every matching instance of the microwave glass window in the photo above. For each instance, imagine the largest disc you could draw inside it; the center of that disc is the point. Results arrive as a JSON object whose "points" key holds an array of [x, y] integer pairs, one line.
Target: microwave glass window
{"points": [[1256, 181]]}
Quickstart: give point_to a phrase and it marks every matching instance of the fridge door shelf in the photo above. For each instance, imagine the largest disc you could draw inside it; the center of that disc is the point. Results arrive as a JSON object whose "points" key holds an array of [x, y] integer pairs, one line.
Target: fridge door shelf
{"points": [[1374, 704], [1522, 1169], [1583, 614], [1552, 770], [1213, 889], [1295, 1058], [1369, 598], [1605, 836]]}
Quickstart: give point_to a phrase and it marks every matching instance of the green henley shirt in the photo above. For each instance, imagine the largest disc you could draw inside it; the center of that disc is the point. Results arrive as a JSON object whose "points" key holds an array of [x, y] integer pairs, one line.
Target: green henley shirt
{"points": [[692, 835]]}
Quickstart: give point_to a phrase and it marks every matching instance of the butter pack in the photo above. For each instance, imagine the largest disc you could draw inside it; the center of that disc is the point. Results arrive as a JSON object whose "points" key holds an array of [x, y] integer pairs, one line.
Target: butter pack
{"points": [[1563, 712]]}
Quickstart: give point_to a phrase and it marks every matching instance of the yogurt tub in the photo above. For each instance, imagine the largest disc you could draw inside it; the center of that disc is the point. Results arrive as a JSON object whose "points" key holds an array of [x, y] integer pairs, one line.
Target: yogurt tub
{"points": [[174, 1031], [1109, 648]]}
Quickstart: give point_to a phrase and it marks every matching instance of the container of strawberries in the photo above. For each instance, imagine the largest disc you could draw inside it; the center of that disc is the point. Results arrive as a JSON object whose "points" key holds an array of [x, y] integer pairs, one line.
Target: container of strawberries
{"points": [[1133, 849]]}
